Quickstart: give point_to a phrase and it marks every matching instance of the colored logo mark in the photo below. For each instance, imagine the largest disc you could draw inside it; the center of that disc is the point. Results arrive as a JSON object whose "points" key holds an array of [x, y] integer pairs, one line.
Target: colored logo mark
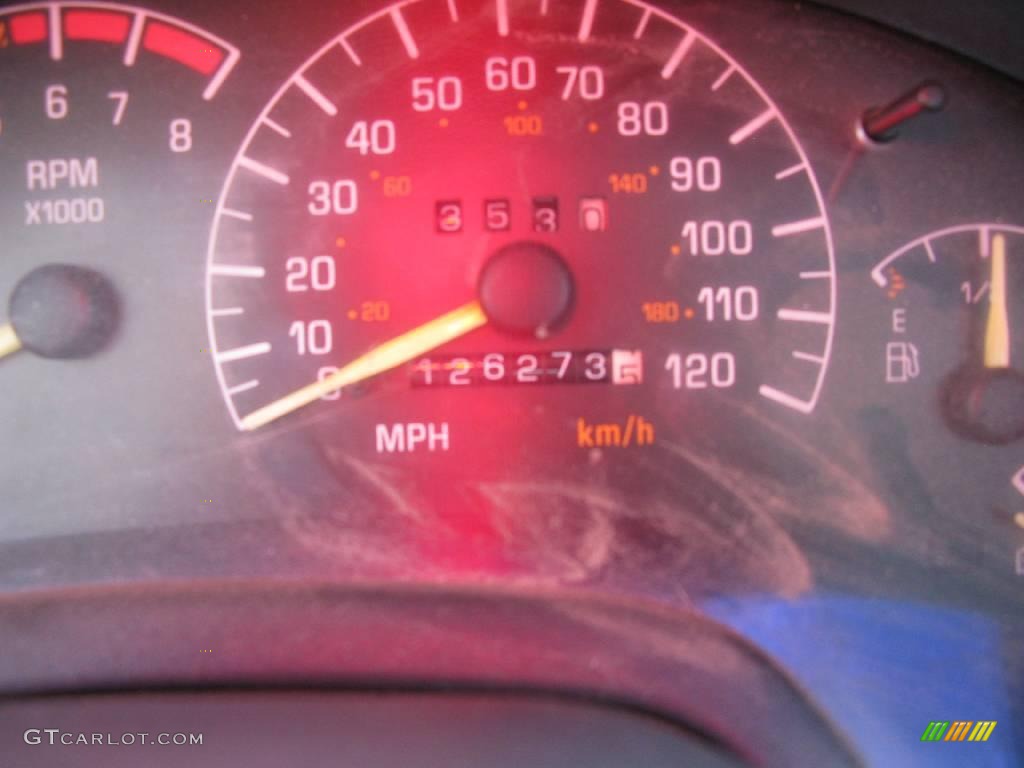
{"points": [[958, 730]]}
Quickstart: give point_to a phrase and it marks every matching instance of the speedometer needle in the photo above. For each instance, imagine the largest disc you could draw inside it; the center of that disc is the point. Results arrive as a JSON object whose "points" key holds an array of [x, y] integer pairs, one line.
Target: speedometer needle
{"points": [[997, 327], [9, 341], [390, 354]]}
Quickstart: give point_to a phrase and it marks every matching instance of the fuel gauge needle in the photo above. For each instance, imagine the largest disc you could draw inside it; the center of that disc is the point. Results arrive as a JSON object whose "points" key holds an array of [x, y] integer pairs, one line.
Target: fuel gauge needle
{"points": [[9, 341], [390, 354], [997, 327]]}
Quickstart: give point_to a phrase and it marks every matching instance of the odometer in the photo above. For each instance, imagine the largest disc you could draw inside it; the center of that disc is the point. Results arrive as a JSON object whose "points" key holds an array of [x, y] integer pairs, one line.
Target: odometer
{"points": [[454, 206]]}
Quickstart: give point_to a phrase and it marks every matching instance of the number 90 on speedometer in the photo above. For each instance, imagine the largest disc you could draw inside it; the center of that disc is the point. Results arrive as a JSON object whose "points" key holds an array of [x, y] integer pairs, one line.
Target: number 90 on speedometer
{"points": [[459, 222]]}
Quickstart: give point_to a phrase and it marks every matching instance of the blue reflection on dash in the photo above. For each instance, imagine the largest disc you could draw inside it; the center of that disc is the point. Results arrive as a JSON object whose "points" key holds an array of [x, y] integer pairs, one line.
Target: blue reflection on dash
{"points": [[883, 670]]}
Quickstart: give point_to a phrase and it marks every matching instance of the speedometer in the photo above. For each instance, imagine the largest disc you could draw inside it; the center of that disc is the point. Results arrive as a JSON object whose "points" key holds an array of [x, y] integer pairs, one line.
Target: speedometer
{"points": [[455, 215]]}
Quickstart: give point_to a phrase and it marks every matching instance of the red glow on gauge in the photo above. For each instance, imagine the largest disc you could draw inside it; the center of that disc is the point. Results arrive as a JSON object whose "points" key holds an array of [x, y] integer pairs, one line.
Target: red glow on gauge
{"points": [[28, 28], [104, 26], [184, 47]]}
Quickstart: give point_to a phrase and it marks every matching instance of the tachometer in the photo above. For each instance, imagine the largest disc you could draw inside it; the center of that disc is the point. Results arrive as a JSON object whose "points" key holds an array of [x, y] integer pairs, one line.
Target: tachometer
{"points": [[89, 94], [484, 210], [112, 123]]}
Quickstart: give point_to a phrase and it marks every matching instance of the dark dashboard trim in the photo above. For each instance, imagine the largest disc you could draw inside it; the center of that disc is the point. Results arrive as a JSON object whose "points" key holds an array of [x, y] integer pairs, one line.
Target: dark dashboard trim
{"points": [[988, 31], [677, 665]]}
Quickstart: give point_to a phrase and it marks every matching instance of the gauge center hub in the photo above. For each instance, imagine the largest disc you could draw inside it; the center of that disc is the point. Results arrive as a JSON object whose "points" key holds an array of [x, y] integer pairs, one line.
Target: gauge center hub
{"points": [[63, 311], [526, 288]]}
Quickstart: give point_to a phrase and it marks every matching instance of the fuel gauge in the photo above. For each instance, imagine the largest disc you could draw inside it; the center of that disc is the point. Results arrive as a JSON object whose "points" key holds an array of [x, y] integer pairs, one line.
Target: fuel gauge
{"points": [[955, 335], [972, 273]]}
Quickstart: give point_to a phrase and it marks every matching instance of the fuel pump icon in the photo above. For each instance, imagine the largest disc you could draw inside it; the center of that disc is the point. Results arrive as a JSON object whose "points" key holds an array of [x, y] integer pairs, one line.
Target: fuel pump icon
{"points": [[901, 362]]}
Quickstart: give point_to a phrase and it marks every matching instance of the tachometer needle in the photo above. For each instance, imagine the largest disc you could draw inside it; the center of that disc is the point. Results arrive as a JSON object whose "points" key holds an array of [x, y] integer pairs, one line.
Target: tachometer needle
{"points": [[388, 355], [997, 328], [9, 341]]}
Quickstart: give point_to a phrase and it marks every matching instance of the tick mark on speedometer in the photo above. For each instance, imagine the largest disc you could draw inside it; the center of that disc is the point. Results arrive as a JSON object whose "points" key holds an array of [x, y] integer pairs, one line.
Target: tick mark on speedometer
{"points": [[240, 215], [796, 227], [787, 400], [720, 81], [244, 387], [641, 26], [677, 56], [316, 95], [241, 353], [803, 316], [350, 52], [404, 33], [748, 130], [501, 7], [587, 22], [263, 170], [233, 270], [792, 170]]}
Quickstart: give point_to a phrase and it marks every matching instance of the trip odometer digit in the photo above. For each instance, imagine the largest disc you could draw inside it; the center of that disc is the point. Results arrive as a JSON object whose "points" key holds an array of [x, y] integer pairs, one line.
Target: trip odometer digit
{"points": [[581, 219]]}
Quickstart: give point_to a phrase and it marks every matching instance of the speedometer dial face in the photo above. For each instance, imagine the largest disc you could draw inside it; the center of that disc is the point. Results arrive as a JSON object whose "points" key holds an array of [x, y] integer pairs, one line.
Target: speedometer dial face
{"points": [[463, 214]]}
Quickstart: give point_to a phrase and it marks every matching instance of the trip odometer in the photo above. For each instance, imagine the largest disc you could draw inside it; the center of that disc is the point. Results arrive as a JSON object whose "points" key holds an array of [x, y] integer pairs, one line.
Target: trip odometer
{"points": [[585, 219]]}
